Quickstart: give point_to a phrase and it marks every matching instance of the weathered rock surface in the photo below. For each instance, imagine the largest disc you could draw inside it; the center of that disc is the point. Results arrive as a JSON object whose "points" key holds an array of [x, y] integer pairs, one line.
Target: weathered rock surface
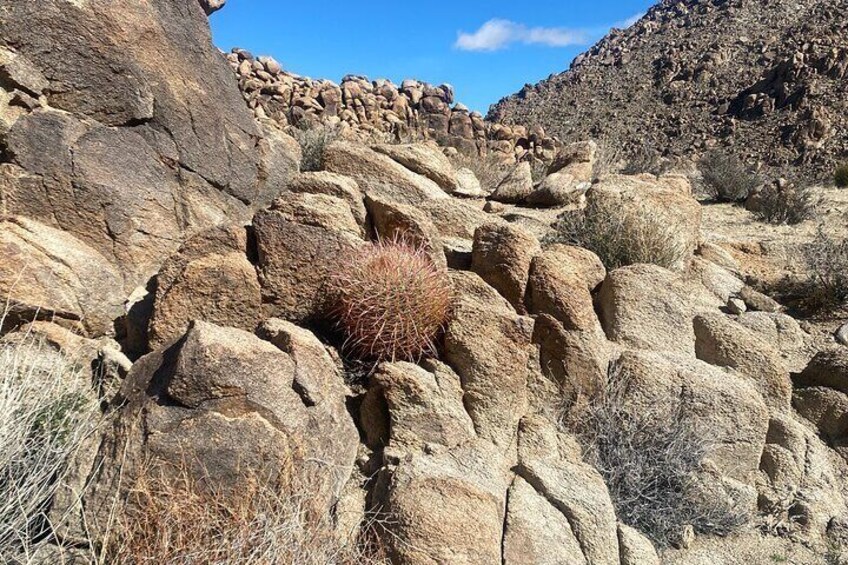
{"points": [[828, 368], [722, 342], [130, 166], [331, 184], [380, 174], [501, 255], [424, 406], [209, 279], [515, 186], [298, 248], [448, 507], [649, 307], [561, 280], [46, 273], [425, 160], [722, 405], [221, 401], [550, 462], [488, 344]]}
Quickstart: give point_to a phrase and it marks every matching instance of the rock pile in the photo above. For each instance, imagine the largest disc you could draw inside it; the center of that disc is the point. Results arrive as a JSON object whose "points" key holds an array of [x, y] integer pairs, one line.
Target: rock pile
{"points": [[413, 110]]}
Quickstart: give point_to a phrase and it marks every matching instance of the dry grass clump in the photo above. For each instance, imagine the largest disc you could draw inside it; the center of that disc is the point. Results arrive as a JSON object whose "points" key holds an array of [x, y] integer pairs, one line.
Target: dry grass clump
{"points": [[726, 178], [46, 414], [785, 204], [391, 301], [651, 463], [622, 236], [645, 160], [826, 258], [313, 141], [840, 177], [490, 169], [173, 517]]}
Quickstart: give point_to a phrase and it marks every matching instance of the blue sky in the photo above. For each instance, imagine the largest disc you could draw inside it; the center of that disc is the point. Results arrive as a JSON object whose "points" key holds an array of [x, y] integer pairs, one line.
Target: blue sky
{"points": [[486, 49]]}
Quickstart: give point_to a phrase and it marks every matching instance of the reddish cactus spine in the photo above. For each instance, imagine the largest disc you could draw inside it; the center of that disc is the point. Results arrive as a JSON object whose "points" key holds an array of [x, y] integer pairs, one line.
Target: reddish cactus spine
{"points": [[391, 301]]}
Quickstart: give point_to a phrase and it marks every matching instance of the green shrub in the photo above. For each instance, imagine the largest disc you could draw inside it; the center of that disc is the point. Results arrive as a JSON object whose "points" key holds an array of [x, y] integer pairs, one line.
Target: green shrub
{"points": [[622, 236], [391, 301], [726, 178], [841, 176], [313, 141]]}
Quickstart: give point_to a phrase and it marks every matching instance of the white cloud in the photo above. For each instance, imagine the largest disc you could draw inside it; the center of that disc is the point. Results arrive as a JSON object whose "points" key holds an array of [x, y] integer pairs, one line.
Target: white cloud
{"points": [[624, 24], [498, 34]]}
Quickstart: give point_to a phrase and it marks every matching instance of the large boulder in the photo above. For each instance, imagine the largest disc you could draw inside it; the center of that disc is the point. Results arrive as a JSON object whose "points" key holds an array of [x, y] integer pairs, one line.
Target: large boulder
{"points": [[501, 255], [551, 463], [525, 541], [722, 342], [380, 174], [488, 345], [724, 407], [561, 280], [424, 159], [447, 507], [455, 218], [515, 186], [219, 403], [48, 273], [828, 368], [209, 279], [130, 166], [423, 408], [300, 244], [331, 184], [576, 360], [649, 307]]}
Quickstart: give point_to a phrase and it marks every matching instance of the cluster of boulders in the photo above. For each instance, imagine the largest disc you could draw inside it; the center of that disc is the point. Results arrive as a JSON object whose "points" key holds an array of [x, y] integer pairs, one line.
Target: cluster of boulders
{"points": [[413, 110], [191, 262], [693, 75]]}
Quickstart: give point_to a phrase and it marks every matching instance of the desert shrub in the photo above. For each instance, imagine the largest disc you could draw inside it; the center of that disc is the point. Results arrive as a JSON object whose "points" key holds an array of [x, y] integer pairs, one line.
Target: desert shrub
{"points": [[786, 204], [171, 516], [622, 236], [313, 141], [726, 178], [826, 259], [490, 169], [391, 301], [840, 177], [644, 160], [46, 413], [651, 461]]}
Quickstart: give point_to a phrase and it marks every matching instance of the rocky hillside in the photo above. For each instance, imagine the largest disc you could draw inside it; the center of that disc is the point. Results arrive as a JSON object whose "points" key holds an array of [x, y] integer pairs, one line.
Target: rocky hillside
{"points": [[636, 403], [764, 78]]}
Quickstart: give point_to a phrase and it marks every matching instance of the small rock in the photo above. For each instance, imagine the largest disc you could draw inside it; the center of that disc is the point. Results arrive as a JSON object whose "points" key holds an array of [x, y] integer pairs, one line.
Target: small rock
{"points": [[685, 538], [842, 334], [736, 306]]}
